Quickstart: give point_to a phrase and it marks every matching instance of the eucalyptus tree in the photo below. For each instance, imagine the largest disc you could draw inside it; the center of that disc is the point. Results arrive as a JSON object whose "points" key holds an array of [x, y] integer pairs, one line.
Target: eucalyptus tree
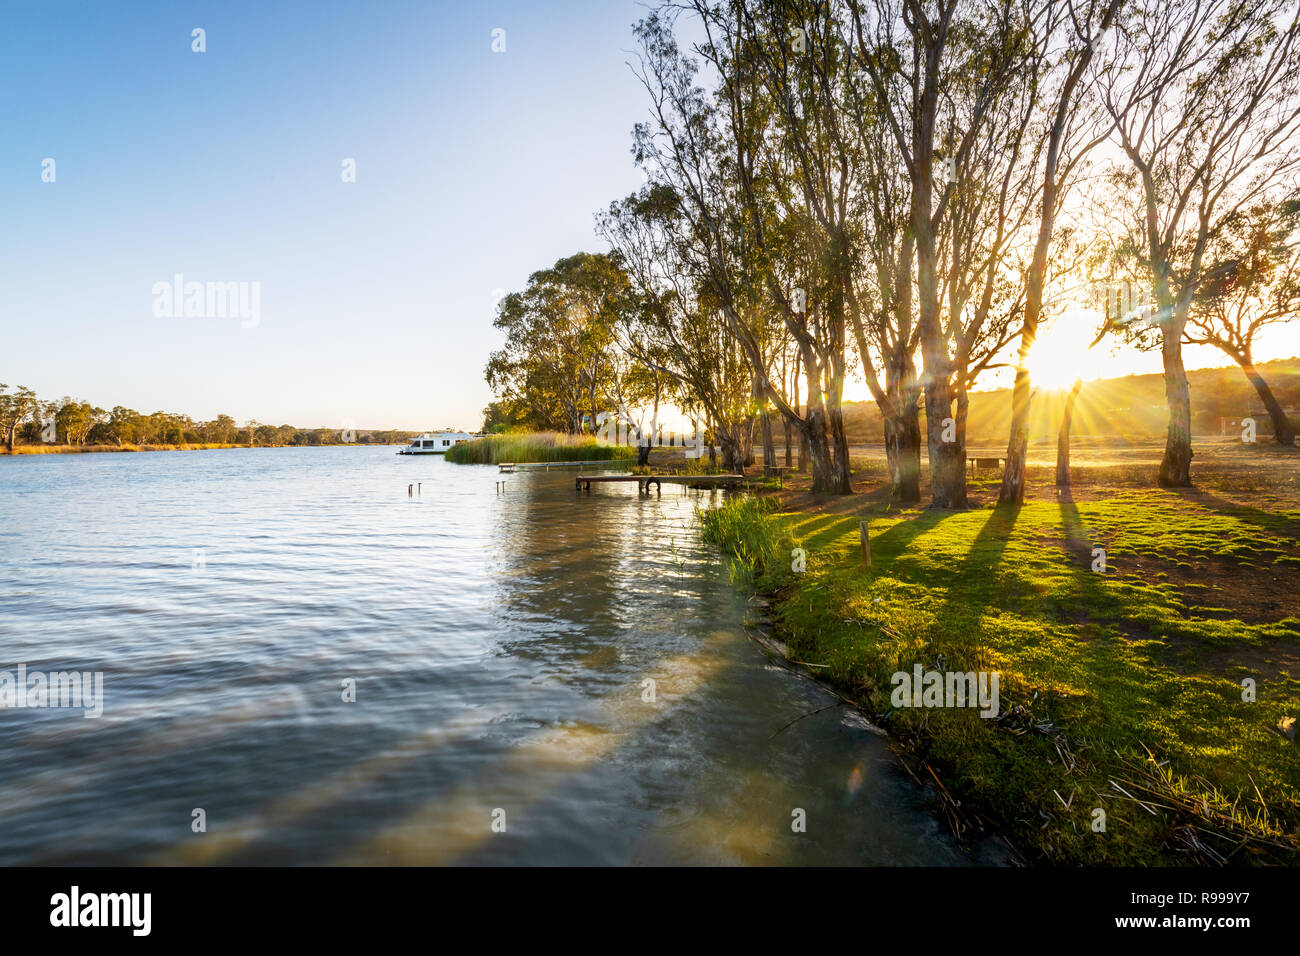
{"points": [[673, 326], [1204, 101], [785, 60], [708, 146], [557, 360], [529, 371], [946, 77], [16, 408], [881, 296], [1255, 262], [991, 203], [1064, 39]]}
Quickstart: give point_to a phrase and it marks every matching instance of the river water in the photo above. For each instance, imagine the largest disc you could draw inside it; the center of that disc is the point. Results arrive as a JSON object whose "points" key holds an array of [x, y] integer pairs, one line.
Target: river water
{"points": [[500, 649]]}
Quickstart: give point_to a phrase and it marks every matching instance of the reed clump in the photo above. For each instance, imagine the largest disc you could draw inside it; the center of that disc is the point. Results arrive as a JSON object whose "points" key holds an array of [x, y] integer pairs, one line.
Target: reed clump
{"points": [[536, 446]]}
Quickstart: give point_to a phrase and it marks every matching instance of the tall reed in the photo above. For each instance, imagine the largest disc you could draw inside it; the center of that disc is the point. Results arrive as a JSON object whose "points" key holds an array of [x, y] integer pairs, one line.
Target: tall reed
{"points": [[536, 446]]}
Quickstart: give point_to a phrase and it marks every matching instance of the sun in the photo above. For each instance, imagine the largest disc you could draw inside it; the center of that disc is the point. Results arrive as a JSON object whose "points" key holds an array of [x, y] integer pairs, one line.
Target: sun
{"points": [[1062, 353]]}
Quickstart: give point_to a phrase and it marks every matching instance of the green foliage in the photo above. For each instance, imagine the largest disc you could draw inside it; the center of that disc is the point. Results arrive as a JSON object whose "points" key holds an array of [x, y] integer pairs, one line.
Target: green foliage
{"points": [[744, 531], [557, 368], [535, 446], [81, 425]]}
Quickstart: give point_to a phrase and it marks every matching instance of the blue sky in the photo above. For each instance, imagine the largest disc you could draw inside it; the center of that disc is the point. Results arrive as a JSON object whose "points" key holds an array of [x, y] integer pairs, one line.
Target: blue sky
{"points": [[474, 169]]}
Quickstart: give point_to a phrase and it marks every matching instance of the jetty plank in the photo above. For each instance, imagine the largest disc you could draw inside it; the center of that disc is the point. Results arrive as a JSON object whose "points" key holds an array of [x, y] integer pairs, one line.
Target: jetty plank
{"points": [[582, 482]]}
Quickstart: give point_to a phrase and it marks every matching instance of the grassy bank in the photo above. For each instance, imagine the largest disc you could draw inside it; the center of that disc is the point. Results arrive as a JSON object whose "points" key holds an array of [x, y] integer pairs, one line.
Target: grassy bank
{"points": [[536, 446], [1119, 690]]}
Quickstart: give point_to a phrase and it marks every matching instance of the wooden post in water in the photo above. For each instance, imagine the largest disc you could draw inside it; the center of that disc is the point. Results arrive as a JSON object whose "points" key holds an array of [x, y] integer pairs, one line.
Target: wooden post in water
{"points": [[866, 544], [409, 492], [419, 488]]}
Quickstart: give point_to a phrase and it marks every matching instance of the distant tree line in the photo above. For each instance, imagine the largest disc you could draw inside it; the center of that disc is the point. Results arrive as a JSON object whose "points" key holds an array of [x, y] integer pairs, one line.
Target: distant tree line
{"points": [[916, 191], [26, 419]]}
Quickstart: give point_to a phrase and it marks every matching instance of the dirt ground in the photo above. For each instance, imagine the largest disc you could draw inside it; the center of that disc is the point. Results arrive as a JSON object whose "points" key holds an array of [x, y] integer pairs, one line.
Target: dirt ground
{"points": [[1263, 475], [1227, 475]]}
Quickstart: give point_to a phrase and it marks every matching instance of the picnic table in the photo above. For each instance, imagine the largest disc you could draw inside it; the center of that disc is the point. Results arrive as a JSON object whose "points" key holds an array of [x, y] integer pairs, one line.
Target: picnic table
{"points": [[779, 472], [977, 463]]}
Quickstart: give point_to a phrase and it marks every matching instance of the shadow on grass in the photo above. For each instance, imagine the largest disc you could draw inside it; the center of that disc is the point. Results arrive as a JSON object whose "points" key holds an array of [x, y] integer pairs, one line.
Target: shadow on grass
{"points": [[1086, 593], [819, 533], [1268, 520], [893, 541], [974, 584]]}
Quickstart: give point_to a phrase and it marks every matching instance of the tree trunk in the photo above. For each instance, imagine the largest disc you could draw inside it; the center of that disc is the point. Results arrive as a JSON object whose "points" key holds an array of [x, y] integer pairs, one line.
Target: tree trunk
{"points": [[1176, 468], [647, 441], [947, 458], [1282, 430], [841, 476], [746, 444], [789, 440], [1013, 476], [890, 425], [902, 429], [819, 453], [817, 428], [1063, 439], [804, 451], [769, 445], [733, 449], [906, 466], [963, 413]]}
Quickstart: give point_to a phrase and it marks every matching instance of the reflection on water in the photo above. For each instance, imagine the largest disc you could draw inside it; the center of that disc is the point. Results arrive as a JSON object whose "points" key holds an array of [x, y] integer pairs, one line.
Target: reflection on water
{"points": [[501, 648]]}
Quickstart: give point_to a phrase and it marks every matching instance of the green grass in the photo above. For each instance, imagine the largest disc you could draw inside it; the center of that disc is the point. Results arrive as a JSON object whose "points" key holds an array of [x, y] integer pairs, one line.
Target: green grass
{"points": [[743, 529], [536, 446], [1127, 686]]}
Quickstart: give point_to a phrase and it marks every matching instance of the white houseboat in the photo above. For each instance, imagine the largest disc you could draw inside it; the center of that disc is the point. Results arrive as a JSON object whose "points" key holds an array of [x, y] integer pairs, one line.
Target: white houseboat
{"points": [[435, 443]]}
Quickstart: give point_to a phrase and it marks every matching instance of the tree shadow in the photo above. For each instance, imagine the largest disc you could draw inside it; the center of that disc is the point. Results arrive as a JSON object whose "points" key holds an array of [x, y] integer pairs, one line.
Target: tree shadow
{"points": [[894, 540], [973, 584], [820, 532], [1086, 591], [1267, 520]]}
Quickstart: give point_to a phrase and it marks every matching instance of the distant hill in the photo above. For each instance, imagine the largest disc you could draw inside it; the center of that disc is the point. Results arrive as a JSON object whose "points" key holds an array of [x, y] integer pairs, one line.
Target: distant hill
{"points": [[1130, 408]]}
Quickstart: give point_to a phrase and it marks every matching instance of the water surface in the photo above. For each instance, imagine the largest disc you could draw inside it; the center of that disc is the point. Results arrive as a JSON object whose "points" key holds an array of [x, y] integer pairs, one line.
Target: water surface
{"points": [[500, 647]]}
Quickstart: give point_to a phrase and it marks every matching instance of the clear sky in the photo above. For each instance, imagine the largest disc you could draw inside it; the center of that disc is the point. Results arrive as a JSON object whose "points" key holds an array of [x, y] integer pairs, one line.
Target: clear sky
{"points": [[473, 169]]}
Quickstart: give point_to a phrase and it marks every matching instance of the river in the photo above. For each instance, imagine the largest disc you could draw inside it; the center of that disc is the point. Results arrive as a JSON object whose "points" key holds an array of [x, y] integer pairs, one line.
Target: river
{"points": [[304, 665]]}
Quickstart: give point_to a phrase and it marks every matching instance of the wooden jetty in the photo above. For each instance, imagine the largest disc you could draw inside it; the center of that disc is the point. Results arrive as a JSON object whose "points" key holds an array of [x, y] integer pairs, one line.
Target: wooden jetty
{"points": [[643, 482], [511, 466]]}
